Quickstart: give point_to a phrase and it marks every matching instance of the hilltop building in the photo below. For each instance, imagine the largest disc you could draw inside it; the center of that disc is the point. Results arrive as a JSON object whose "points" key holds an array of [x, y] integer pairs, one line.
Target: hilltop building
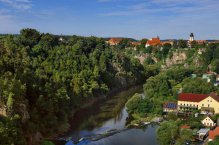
{"points": [[191, 38], [114, 41], [153, 42], [206, 103]]}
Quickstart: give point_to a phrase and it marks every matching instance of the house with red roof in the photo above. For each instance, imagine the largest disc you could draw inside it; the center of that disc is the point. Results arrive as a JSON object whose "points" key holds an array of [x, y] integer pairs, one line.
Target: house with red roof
{"points": [[206, 103], [153, 42], [213, 134]]}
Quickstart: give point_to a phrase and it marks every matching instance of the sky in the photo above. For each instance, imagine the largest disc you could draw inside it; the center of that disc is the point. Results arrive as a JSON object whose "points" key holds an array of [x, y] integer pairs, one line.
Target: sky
{"points": [[168, 19]]}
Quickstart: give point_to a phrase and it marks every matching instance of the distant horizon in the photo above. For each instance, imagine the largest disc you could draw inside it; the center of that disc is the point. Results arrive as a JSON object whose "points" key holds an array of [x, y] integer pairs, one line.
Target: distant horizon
{"points": [[105, 37]]}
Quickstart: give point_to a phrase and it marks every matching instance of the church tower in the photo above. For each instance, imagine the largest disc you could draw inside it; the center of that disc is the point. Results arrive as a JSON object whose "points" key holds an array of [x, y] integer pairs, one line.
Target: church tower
{"points": [[191, 38]]}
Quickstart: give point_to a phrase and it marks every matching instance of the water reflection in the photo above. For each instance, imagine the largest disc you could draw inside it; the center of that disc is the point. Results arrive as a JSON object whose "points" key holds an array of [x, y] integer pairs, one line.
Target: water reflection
{"points": [[106, 115]]}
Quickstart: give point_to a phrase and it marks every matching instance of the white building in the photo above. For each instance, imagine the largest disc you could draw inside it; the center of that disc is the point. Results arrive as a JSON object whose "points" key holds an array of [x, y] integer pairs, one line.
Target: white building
{"points": [[208, 122]]}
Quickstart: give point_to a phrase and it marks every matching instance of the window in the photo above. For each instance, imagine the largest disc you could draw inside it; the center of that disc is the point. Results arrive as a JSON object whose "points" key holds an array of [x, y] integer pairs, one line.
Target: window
{"points": [[208, 105], [202, 105]]}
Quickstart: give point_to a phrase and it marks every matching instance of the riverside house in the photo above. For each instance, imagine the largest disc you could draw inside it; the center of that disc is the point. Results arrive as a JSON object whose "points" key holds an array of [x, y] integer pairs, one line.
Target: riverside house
{"points": [[205, 103], [170, 107]]}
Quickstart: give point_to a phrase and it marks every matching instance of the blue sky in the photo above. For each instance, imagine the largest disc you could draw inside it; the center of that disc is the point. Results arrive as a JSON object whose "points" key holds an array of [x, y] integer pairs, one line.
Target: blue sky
{"points": [[113, 18]]}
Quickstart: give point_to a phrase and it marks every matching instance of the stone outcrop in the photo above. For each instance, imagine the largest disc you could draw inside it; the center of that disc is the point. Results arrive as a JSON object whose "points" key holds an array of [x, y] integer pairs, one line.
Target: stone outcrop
{"points": [[177, 58]]}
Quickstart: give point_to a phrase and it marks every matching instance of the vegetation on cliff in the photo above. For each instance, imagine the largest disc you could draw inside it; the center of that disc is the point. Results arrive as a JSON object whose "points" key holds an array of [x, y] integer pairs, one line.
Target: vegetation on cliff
{"points": [[44, 79]]}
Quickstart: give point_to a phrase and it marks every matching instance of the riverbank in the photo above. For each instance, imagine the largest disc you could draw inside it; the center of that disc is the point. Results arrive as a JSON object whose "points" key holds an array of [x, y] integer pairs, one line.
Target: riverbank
{"points": [[98, 112]]}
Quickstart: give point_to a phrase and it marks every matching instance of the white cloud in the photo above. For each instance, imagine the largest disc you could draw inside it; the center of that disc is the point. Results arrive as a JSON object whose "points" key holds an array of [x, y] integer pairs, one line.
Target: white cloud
{"points": [[18, 4]]}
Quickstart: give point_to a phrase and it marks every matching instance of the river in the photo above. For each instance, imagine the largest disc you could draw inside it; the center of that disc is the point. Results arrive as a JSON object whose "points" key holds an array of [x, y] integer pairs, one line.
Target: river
{"points": [[105, 116]]}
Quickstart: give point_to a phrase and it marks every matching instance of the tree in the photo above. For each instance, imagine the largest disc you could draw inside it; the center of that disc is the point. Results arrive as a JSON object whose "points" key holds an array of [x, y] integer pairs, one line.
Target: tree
{"points": [[29, 37], [149, 61], [166, 48], [214, 142], [182, 43], [167, 132], [149, 49], [143, 42], [215, 66], [10, 103], [138, 105], [197, 85], [194, 44], [185, 135]]}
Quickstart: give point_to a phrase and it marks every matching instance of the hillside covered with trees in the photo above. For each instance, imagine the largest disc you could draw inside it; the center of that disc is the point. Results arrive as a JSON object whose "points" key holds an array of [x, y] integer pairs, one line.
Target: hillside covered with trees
{"points": [[44, 80]]}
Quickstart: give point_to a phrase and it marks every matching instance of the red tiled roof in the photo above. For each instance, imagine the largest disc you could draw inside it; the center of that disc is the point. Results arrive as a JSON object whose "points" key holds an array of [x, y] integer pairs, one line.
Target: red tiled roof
{"points": [[154, 42], [185, 126], [214, 96], [192, 97], [214, 133], [189, 97], [115, 40]]}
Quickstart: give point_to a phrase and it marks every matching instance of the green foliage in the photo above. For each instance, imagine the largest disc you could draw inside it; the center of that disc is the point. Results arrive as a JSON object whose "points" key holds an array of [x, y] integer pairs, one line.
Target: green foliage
{"points": [[47, 143], [40, 75], [10, 134], [138, 104], [215, 142], [166, 48], [172, 116], [194, 44], [182, 43], [149, 61], [211, 56], [197, 85], [185, 135], [29, 37], [215, 65], [167, 132]]}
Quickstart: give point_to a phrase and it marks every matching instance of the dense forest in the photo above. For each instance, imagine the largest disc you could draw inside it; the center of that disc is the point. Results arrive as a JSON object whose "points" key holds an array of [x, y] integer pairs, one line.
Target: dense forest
{"points": [[44, 79]]}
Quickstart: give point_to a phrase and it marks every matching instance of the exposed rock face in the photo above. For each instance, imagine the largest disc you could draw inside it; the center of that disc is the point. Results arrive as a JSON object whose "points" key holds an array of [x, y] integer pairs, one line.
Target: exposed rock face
{"points": [[177, 58], [142, 57]]}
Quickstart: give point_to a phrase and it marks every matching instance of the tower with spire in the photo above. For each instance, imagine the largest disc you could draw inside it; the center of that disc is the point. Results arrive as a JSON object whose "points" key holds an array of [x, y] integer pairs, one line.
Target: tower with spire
{"points": [[191, 38]]}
